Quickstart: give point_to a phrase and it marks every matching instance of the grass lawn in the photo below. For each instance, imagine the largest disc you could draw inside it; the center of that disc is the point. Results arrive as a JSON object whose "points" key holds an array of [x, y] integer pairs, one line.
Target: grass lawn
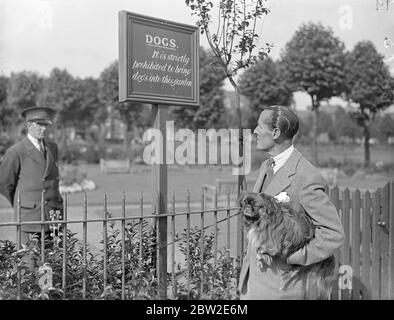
{"points": [[181, 178], [350, 153]]}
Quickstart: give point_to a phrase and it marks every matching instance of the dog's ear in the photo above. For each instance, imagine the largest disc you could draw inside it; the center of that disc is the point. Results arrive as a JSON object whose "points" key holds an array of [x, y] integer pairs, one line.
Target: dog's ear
{"points": [[267, 203], [272, 207], [242, 197]]}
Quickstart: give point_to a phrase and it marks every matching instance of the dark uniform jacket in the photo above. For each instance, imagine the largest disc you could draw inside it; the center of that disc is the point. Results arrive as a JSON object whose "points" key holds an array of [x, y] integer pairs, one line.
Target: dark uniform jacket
{"points": [[24, 169], [306, 189]]}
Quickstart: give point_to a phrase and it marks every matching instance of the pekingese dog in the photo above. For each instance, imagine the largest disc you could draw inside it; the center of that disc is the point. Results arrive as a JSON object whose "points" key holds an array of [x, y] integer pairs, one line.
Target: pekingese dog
{"points": [[277, 230]]}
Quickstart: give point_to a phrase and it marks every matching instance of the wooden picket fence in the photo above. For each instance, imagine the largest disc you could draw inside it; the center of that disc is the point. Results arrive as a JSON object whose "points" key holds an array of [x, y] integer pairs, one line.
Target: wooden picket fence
{"points": [[366, 260]]}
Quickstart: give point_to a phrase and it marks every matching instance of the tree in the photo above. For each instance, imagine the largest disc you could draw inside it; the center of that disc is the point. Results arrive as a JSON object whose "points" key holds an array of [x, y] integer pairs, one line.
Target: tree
{"points": [[60, 92], [234, 41], [92, 110], [369, 85], [211, 96], [263, 84], [22, 92], [345, 127], [109, 94], [324, 123], [5, 111], [303, 135], [385, 128], [324, 126], [313, 62]]}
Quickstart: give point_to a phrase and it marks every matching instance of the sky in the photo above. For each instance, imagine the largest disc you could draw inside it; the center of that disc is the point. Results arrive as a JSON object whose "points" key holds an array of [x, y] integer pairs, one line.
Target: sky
{"points": [[82, 35]]}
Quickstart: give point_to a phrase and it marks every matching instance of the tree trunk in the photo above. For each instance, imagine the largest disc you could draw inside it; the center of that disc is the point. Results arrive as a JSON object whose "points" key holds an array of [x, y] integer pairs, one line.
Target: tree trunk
{"points": [[313, 131], [101, 140], [241, 178], [126, 140], [367, 155], [241, 145]]}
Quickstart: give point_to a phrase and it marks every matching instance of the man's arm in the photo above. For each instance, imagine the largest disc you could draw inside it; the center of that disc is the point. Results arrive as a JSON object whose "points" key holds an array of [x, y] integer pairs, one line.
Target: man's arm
{"points": [[9, 172], [329, 234]]}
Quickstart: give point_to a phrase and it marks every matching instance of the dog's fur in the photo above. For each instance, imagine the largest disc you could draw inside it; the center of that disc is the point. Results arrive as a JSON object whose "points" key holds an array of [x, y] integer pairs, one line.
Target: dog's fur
{"points": [[277, 230]]}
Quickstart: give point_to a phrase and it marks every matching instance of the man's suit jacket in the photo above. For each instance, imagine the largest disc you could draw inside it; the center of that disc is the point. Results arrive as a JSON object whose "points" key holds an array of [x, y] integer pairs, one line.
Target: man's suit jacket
{"points": [[306, 189], [25, 169]]}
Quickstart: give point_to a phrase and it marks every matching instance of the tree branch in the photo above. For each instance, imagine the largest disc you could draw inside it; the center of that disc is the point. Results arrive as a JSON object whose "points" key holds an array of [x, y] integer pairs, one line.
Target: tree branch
{"points": [[254, 27], [244, 29], [232, 31], [219, 22]]}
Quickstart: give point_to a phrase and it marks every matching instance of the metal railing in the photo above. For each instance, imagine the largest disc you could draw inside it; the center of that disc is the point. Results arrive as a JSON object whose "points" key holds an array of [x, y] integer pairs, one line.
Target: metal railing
{"points": [[162, 255]]}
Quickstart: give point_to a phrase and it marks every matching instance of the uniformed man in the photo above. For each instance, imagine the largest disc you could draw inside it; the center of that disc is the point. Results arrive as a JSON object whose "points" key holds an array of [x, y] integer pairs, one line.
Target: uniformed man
{"points": [[30, 167]]}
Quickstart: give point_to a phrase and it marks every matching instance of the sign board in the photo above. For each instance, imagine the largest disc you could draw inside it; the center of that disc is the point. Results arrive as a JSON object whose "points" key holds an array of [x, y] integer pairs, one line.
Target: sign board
{"points": [[158, 61]]}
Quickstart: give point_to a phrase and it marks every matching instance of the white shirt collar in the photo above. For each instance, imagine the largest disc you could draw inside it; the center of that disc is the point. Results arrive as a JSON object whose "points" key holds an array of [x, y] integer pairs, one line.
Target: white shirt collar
{"points": [[282, 157], [34, 141]]}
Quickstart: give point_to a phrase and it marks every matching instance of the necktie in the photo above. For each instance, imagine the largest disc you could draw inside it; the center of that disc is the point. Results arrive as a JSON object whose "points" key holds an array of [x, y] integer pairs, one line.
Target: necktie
{"points": [[269, 173], [42, 147]]}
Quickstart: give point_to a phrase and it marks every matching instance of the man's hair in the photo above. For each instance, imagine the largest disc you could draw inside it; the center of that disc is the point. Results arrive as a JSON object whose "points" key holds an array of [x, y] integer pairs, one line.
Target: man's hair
{"points": [[284, 119]]}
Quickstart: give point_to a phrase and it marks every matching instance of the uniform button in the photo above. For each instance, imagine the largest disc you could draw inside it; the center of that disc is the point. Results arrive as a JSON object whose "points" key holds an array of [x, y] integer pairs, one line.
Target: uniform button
{"points": [[46, 201]]}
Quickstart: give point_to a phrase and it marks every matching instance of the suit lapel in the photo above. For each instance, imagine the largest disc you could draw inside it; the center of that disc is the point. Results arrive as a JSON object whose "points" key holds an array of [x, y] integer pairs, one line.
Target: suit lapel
{"points": [[260, 178], [33, 153], [280, 180]]}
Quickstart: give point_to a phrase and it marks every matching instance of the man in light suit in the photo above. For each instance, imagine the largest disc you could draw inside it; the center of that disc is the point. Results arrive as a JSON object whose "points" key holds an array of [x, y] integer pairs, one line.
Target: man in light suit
{"points": [[288, 171], [30, 167]]}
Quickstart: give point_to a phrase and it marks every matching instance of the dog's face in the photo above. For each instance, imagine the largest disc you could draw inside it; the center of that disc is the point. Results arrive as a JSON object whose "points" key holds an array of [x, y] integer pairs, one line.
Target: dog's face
{"points": [[255, 206]]}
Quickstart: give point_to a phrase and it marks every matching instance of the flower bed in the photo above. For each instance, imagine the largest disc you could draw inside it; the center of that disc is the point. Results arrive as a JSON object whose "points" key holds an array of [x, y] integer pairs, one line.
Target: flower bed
{"points": [[85, 185], [73, 181]]}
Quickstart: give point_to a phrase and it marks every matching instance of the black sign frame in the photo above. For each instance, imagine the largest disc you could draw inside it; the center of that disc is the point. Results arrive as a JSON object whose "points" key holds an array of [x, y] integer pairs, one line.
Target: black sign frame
{"points": [[126, 91]]}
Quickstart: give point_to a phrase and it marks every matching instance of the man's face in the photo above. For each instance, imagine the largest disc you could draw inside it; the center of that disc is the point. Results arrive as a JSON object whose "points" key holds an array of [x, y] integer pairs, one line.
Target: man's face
{"points": [[37, 129], [264, 133]]}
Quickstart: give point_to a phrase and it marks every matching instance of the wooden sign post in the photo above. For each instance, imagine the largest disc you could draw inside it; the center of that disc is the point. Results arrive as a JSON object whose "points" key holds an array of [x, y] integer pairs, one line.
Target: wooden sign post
{"points": [[158, 64]]}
